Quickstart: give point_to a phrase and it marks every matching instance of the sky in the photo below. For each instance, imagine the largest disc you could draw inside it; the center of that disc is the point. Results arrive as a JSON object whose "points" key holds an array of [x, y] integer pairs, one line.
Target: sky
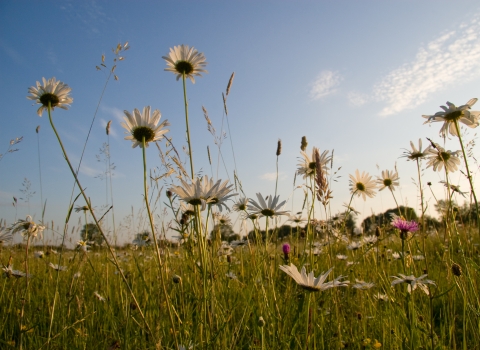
{"points": [[353, 77]]}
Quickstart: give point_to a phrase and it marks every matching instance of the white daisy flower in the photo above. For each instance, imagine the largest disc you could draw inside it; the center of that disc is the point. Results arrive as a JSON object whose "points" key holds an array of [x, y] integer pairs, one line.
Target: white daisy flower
{"points": [[309, 282], [52, 92], [185, 60], [141, 125]]}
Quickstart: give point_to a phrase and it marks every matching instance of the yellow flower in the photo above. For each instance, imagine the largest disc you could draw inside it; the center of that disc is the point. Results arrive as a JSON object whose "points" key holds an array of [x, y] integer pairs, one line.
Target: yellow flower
{"points": [[377, 344]]}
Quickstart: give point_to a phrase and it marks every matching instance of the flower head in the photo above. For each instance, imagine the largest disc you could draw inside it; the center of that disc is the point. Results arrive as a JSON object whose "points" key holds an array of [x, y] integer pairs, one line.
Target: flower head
{"points": [[413, 282], [438, 158], [297, 219], [388, 180], [241, 204], [204, 191], [57, 267], [307, 164], [404, 226], [185, 60], [28, 228], [286, 248], [141, 125], [263, 209], [52, 92], [451, 115], [363, 285], [362, 185], [416, 153], [8, 272], [5, 235], [309, 282], [83, 246]]}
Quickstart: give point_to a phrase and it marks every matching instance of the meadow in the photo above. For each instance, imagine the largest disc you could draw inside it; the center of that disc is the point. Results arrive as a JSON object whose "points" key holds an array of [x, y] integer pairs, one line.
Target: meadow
{"points": [[403, 281]]}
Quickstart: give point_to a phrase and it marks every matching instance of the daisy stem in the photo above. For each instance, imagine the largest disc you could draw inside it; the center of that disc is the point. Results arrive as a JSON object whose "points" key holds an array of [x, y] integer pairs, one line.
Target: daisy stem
{"points": [[307, 323], [421, 196], [114, 258], [152, 227], [469, 176], [188, 129]]}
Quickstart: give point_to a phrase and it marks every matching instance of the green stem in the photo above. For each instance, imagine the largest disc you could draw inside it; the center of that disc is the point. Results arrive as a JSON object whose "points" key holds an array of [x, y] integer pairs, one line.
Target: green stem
{"points": [[469, 176], [188, 129], [114, 258], [152, 227]]}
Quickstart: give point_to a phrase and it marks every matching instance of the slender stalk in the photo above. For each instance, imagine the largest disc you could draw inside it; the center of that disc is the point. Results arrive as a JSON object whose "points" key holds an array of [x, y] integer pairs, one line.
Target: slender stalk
{"points": [[114, 258], [469, 176], [188, 129], [152, 227]]}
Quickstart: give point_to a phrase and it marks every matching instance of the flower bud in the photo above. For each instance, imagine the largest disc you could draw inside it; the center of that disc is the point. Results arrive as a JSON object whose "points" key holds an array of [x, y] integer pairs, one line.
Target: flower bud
{"points": [[261, 322]]}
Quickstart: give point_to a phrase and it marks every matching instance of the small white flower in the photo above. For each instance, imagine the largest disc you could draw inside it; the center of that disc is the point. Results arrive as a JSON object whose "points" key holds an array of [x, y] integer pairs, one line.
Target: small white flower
{"points": [[309, 282], [57, 267], [413, 282], [363, 285]]}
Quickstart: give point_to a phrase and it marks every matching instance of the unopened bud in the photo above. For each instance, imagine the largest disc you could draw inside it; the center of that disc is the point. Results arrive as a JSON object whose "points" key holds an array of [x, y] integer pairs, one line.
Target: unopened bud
{"points": [[177, 279], [279, 147], [261, 322], [304, 144], [456, 269]]}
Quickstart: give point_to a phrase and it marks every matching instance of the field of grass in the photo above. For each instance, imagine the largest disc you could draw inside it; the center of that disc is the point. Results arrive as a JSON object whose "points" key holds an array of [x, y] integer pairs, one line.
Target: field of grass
{"points": [[407, 281]]}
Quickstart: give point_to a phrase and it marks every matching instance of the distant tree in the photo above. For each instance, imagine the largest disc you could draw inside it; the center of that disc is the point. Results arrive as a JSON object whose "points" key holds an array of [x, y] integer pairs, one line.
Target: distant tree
{"points": [[91, 233], [225, 232]]}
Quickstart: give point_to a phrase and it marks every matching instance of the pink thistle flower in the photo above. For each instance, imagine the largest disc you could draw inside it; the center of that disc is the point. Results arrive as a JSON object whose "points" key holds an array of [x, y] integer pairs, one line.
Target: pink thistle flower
{"points": [[404, 226]]}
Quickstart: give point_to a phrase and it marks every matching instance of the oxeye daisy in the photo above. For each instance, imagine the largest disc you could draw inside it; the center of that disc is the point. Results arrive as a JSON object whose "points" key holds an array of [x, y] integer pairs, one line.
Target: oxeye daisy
{"points": [[185, 60], [438, 158], [241, 204], [416, 153], [269, 209], [309, 282], [362, 185], [451, 115], [27, 228], [141, 126], [52, 93], [413, 282], [388, 180], [57, 267]]}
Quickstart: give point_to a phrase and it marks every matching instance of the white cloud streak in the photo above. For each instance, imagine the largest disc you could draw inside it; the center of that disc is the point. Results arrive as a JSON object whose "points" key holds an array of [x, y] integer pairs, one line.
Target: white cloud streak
{"points": [[325, 84], [451, 58]]}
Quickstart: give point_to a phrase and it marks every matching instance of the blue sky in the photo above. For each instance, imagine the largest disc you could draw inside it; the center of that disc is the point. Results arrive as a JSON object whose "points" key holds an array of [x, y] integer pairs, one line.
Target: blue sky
{"points": [[351, 76]]}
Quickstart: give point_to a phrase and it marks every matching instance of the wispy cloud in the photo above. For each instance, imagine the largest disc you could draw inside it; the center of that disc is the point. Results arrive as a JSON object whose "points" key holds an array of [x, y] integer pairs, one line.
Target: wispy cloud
{"points": [[446, 61], [273, 176], [13, 54], [325, 84], [357, 99]]}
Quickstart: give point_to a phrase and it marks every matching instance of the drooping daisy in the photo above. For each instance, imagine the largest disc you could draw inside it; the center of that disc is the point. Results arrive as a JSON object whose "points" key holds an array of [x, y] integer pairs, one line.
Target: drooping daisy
{"points": [[416, 153], [413, 282], [388, 180], [191, 193], [57, 267], [438, 158], [307, 164], [362, 185], [452, 115], [309, 282], [141, 125], [52, 92], [454, 188], [363, 285], [28, 228], [8, 272], [263, 209], [186, 60]]}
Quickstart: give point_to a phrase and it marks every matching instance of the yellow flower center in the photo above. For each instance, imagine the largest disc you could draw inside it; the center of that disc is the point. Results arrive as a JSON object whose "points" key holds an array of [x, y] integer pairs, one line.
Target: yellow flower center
{"points": [[143, 131], [387, 182], [360, 187], [453, 116], [48, 97], [184, 67]]}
